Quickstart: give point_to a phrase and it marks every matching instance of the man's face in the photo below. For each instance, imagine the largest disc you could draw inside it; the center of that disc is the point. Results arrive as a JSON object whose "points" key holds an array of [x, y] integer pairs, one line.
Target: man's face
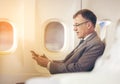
{"points": [[80, 26]]}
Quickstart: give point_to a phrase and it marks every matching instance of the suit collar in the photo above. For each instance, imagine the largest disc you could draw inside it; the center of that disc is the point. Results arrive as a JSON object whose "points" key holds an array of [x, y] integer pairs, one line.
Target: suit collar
{"points": [[92, 35]]}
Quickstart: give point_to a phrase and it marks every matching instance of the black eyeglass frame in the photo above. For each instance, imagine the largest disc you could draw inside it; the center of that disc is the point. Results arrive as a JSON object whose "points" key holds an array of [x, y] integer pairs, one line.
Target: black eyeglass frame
{"points": [[76, 25]]}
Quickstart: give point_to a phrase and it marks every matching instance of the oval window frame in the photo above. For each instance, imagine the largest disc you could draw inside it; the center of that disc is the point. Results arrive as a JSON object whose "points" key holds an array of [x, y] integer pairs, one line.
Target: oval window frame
{"points": [[45, 24], [14, 46]]}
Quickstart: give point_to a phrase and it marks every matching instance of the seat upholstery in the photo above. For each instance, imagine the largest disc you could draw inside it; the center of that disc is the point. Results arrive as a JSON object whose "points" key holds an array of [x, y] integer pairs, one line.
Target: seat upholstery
{"points": [[110, 40]]}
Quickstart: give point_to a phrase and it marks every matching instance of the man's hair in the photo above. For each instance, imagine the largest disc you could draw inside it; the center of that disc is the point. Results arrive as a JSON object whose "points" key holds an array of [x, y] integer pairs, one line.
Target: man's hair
{"points": [[87, 14]]}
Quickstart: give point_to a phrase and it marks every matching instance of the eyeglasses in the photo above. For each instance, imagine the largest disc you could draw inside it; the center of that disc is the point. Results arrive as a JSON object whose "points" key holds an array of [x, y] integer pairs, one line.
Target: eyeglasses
{"points": [[76, 25]]}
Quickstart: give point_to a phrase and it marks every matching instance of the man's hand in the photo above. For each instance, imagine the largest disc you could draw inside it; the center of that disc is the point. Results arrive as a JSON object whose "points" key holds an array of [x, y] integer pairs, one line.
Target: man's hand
{"points": [[42, 60]]}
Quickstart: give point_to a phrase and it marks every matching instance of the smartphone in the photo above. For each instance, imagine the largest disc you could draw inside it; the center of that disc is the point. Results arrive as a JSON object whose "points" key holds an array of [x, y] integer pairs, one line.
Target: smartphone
{"points": [[33, 52]]}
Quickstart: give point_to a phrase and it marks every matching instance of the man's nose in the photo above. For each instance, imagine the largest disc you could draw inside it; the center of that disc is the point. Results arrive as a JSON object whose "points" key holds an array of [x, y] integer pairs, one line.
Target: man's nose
{"points": [[75, 28]]}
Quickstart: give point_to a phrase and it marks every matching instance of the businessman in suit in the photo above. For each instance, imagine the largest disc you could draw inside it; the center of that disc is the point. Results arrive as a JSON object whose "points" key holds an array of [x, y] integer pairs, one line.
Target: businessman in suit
{"points": [[84, 56]]}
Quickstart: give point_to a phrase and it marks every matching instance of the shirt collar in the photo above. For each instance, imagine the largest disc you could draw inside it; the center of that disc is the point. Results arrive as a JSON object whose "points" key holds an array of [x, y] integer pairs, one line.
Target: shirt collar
{"points": [[86, 37]]}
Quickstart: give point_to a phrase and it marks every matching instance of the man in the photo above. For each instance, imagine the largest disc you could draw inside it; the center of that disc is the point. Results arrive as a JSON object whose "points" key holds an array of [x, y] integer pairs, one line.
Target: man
{"points": [[83, 57]]}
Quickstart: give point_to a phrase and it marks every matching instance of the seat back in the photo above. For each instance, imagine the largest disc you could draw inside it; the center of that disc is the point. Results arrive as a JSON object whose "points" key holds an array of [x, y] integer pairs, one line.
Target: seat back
{"points": [[107, 35]]}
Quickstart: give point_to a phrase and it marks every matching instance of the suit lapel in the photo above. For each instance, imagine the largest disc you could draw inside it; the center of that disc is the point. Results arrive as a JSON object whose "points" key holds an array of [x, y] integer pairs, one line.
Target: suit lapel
{"points": [[80, 47]]}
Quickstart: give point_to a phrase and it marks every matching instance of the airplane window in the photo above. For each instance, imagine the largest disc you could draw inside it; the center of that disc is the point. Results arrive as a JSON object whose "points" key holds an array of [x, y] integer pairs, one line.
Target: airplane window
{"points": [[103, 24], [54, 36], [6, 36]]}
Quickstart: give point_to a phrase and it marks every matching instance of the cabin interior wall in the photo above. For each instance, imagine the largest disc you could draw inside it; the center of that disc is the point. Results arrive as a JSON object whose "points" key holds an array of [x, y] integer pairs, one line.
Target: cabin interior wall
{"points": [[29, 16]]}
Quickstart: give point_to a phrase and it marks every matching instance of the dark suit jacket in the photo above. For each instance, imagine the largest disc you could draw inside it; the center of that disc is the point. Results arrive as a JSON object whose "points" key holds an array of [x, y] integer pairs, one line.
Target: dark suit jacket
{"points": [[80, 60]]}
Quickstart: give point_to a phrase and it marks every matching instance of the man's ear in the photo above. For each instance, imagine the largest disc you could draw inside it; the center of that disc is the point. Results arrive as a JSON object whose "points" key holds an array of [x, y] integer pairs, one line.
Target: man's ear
{"points": [[89, 24]]}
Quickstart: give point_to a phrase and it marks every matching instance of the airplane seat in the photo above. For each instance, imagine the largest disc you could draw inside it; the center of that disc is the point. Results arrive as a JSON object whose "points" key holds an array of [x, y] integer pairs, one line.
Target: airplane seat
{"points": [[108, 36], [101, 32]]}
